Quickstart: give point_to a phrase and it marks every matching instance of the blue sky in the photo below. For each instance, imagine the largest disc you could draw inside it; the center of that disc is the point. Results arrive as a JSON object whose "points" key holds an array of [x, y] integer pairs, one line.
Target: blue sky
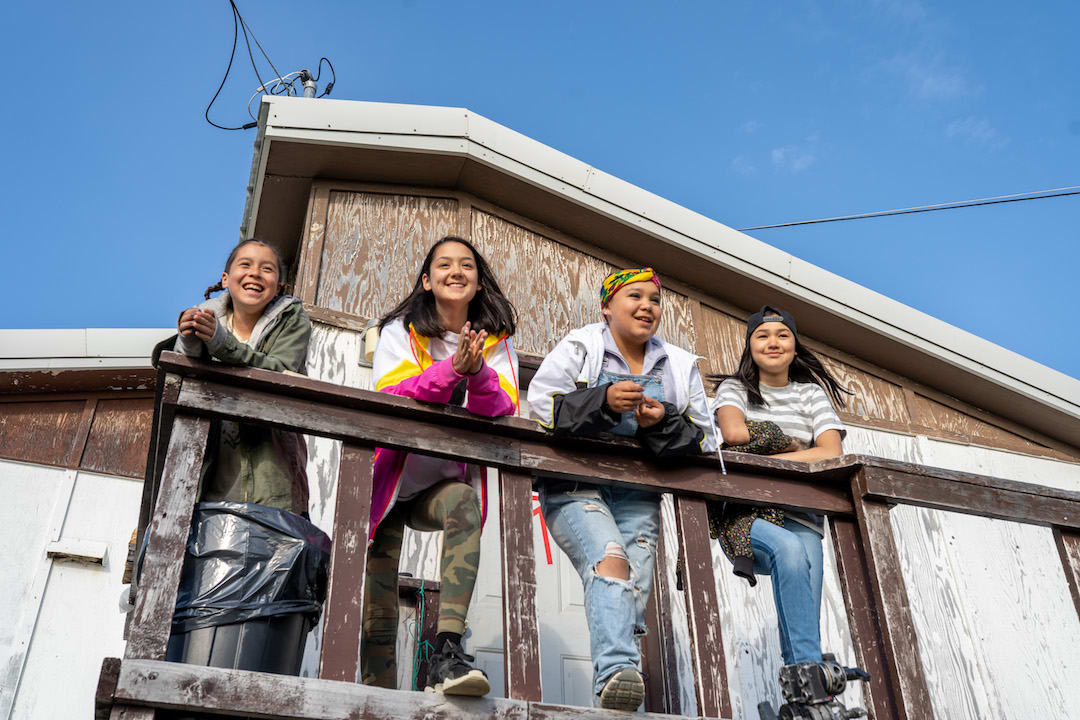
{"points": [[120, 202]]}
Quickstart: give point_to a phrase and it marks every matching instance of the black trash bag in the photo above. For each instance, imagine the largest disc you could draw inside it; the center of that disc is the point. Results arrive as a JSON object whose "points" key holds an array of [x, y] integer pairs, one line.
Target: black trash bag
{"points": [[247, 561]]}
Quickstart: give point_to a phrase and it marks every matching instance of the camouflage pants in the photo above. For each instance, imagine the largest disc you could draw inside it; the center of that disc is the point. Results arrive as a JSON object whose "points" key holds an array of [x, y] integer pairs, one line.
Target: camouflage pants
{"points": [[451, 507]]}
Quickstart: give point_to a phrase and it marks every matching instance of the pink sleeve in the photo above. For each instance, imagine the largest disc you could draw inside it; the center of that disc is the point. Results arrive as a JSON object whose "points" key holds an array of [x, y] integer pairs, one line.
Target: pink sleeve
{"points": [[486, 396], [436, 384]]}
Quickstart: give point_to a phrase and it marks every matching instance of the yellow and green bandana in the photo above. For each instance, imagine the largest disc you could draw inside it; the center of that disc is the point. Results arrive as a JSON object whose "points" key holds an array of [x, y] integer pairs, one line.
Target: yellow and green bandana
{"points": [[617, 279]]}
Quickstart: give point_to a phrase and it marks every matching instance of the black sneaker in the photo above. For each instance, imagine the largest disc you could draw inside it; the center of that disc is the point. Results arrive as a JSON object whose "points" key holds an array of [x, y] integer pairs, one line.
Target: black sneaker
{"points": [[625, 690], [452, 673]]}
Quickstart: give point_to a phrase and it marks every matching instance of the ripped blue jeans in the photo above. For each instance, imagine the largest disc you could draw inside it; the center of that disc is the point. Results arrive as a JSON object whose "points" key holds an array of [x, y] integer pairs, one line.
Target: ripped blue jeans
{"points": [[590, 523]]}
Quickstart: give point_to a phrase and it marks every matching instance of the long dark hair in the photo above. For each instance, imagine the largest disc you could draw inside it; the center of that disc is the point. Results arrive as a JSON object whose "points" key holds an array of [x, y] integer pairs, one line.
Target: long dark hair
{"points": [[805, 368], [232, 256], [489, 310]]}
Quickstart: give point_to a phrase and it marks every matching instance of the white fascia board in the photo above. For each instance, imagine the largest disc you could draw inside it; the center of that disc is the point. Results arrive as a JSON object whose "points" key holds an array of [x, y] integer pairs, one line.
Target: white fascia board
{"points": [[42, 343], [125, 342], [420, 128], [84, 363], [83, 348]]}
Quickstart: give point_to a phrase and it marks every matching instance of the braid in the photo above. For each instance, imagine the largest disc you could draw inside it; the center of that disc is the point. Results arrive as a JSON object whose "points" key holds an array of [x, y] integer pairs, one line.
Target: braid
{"points": [[212, 289]]}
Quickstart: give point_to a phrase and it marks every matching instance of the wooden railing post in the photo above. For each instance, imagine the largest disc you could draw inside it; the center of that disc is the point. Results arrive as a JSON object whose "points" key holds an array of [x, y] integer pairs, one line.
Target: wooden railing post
{"points": [[170, 524], [658, 646], [702, 609], [878, 613], [1068, 545], [348, 561], [521, 630]]}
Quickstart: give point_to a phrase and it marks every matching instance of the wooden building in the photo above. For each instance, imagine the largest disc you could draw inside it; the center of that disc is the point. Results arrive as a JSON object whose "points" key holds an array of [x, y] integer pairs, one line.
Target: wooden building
{"points": [[354, 193]]}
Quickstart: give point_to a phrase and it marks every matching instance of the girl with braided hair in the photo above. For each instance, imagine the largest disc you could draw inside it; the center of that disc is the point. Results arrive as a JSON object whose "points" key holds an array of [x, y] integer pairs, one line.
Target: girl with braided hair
{"points": [[253, 324]]}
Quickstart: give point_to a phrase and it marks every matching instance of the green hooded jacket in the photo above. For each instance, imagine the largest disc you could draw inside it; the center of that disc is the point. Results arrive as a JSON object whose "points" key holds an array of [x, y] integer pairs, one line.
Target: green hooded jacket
{"points": [[249, 463]]}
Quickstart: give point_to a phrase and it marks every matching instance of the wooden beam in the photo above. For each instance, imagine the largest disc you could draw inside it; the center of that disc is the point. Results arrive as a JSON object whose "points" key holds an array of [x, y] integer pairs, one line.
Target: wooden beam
{"points": [[454, 434], [521, 630], [348, 560], [194, 688], [170, 525], [658, 646], [709, 667], [896, 630], [862, 613], [1068, 545], [106, 688], [1001, 499]]}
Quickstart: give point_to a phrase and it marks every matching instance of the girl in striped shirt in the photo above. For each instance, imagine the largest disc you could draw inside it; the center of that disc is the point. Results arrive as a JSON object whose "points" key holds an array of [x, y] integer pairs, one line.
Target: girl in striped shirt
{"points": [[779, 381]]}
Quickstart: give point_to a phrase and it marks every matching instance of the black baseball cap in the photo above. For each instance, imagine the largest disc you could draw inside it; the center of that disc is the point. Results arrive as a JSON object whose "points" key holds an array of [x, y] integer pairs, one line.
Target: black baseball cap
{"points": [[768, 313]]}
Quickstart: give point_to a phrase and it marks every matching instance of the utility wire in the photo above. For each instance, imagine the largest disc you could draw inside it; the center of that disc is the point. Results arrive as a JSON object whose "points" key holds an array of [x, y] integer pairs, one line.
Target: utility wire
{"points": [[996, 200], [232, 54]]}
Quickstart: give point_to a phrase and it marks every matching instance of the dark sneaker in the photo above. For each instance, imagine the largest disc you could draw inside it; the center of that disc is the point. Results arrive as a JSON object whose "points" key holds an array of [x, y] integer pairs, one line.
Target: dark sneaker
{"points": [[451, 673], [625, 690]]}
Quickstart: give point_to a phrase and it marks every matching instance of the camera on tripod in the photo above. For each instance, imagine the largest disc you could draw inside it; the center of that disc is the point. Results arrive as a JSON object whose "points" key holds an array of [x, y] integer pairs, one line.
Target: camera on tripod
{"points": [[810, 691]]}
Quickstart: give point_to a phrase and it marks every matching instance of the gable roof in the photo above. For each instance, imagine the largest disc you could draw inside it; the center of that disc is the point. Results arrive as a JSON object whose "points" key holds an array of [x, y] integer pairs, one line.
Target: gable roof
{"points": [[300, 139]]}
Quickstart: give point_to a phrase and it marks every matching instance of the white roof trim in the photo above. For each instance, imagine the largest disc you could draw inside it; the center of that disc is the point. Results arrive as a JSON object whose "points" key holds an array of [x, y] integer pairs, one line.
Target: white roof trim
{"points": [[82, 348], [457, 131]]}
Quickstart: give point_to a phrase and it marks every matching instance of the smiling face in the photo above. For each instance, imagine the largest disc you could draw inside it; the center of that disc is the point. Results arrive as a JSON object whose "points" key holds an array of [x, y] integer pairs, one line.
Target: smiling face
{"points": [[633, 312], [452, 277], [772, 347], [253, 278]]}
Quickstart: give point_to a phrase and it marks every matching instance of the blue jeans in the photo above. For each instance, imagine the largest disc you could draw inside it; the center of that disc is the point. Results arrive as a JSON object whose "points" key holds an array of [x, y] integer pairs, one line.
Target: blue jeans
{"points": [[589, 523], [792, 556]]}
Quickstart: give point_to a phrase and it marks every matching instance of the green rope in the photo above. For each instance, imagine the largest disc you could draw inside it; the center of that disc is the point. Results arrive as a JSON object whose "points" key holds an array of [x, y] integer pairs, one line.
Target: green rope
{"points": [[423, 647]]}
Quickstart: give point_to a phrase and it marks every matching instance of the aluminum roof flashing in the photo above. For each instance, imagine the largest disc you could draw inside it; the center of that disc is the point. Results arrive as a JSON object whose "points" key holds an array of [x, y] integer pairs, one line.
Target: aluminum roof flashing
{"points": [[300, 139]]}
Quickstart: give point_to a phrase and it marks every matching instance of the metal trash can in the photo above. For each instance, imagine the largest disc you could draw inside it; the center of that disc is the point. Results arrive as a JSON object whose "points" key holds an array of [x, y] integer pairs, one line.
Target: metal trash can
{"points": [[251, 589]]}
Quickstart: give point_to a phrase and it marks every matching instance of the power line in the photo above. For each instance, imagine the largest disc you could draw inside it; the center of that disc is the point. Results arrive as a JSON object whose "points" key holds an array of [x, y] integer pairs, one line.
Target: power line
{"points": [[996, 200]]}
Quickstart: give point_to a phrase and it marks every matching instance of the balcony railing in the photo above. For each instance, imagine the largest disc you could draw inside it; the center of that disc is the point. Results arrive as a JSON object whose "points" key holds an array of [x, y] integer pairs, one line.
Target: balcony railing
{"points": [[855, 491]]}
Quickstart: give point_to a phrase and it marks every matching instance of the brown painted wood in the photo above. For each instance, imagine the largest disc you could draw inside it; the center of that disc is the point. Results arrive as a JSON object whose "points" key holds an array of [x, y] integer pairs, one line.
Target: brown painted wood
{"points": [[1068, 545], [658, 646], [78, 446], [53, 382], [151, 620], [709, 667], [862, 613], [521, 631], [194, 688], [42, 432], [106, 687], [901, 644], [119, 438], [345, 598], [337, 319], [974, 495]]}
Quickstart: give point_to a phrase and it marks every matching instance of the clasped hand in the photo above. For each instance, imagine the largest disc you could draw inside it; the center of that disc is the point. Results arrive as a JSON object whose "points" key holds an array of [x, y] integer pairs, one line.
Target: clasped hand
{"points": [[202, 323], [628, 395], [469, 357]]}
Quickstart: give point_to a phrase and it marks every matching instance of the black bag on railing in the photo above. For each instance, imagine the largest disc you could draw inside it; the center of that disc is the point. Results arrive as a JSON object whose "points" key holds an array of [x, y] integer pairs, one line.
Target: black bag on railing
{"points": [[247, 561]]}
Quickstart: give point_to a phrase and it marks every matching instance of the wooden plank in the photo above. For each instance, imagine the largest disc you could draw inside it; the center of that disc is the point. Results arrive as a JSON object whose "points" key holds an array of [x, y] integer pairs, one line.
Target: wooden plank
{"points": [[169, 527], [345, 599], [1001, 499], [862, 613], [1068, 545], [521, 631], [119, 438], [658, 646], [194, 688], [897, 631], [52, 382], [474, 439], [311, 244], [709, 668], [106, 687], [42, 432], [543, 711]]}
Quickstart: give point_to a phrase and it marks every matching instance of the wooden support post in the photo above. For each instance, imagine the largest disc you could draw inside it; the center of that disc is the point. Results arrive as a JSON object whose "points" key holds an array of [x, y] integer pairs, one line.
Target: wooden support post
{"points": [[170, 524], [1068, 544], [658, 646], [348, 561], [702, 609], [521, 631], [878, 611]]}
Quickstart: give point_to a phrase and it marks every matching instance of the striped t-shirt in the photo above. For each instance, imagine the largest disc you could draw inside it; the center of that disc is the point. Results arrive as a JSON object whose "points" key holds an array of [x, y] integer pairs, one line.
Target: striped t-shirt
{"points": [[802, 410]]}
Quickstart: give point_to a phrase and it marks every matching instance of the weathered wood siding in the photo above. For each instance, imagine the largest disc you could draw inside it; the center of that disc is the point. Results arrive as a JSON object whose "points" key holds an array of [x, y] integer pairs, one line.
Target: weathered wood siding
{"points": [[374, 246], [119, 437], [41, 432]]}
